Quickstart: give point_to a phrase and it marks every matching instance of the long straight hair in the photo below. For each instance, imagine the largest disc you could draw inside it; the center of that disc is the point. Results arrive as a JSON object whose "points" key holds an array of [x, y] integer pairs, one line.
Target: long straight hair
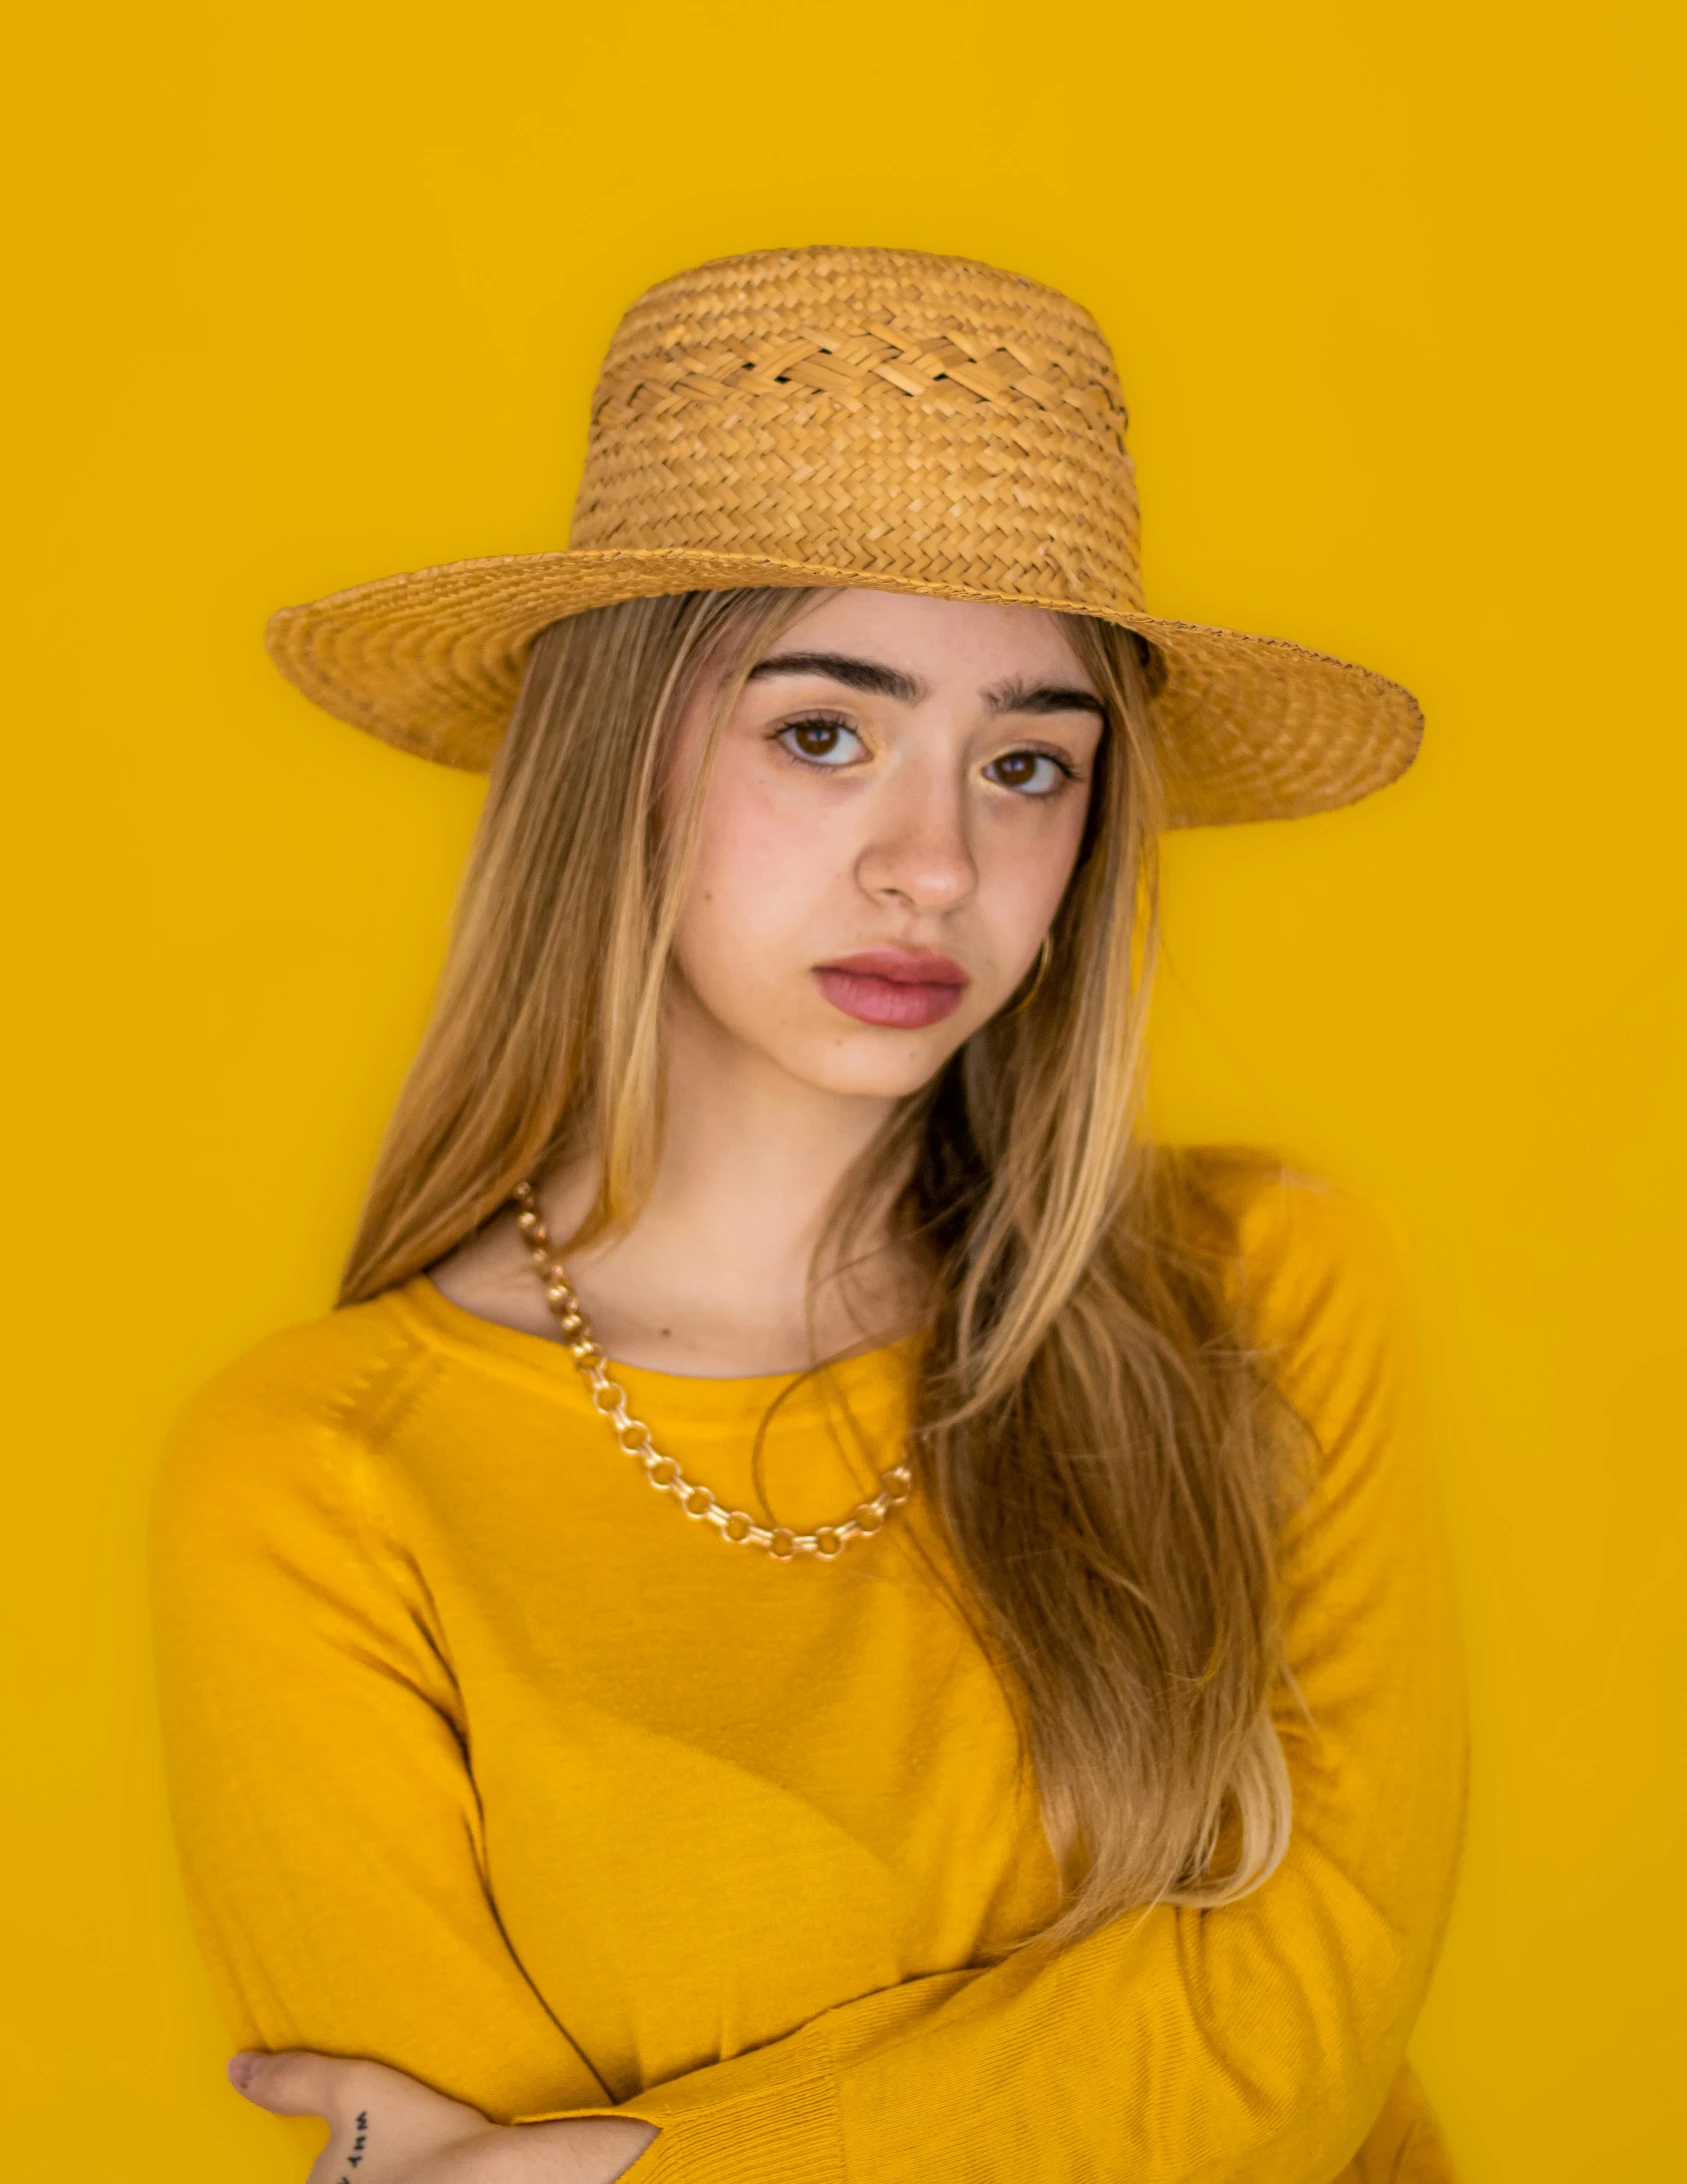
{"points": [[1090, 1423]]}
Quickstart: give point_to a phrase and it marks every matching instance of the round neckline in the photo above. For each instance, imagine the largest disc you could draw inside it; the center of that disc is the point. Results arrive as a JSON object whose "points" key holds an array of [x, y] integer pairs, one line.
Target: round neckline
{"points": [[444, 1316]]}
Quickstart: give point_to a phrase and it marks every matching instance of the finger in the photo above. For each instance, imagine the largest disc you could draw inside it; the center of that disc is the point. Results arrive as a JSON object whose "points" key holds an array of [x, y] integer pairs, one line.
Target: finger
{"points": [[294, 2083]]}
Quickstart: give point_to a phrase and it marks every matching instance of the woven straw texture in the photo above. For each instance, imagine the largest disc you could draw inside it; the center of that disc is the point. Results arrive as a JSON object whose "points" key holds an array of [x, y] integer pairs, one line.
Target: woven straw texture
{"points": [[855, 417]]}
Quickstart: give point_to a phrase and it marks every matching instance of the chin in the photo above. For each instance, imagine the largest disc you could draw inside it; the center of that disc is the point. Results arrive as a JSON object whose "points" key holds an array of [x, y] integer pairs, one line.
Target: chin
{"points": [[880, 1065]]}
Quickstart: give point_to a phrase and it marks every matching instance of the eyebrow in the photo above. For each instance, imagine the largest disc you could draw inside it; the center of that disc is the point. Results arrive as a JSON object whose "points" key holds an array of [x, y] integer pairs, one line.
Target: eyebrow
{"points": [[1022, 697], [873, 677], [868, 675]]}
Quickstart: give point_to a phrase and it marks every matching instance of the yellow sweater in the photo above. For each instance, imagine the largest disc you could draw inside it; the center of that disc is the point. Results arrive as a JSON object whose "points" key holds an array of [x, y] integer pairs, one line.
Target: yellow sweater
{"points": [[490, 1764]]}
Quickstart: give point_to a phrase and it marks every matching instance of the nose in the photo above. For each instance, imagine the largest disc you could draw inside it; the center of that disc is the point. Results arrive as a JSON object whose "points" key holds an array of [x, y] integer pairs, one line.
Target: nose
{"points": [[918, 853]]}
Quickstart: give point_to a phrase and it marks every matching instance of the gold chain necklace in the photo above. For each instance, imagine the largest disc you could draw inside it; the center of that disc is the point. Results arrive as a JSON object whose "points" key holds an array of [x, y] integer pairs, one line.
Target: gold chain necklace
{"points": [[633, 1437]]}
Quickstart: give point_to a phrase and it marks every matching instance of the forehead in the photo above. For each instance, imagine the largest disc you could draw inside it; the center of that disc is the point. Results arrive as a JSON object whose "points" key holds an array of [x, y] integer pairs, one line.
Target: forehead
{"points": [[939, 642]]}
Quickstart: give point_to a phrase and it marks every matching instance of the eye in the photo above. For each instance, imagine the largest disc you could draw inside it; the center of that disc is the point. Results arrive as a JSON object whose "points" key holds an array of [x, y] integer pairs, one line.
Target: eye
{"points": [[1032, 773], [821, 742]]}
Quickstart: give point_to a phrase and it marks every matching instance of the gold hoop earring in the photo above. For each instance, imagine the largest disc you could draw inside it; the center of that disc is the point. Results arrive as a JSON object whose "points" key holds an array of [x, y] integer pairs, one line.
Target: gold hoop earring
{"points": [[1039, 972]]}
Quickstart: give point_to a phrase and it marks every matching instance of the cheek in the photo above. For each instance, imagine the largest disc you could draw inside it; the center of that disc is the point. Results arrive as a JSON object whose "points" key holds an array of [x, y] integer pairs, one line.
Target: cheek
{"points": [[766, 866], [1023, 870]]}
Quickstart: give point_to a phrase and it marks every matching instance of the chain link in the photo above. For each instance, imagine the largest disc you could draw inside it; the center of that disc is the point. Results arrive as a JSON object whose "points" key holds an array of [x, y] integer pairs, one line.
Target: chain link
{"points": [[633, 1437]]}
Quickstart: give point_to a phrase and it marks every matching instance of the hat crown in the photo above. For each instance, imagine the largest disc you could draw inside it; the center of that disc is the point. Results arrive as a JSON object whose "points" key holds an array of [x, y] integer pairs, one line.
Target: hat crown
{"points": [[872, 414]]}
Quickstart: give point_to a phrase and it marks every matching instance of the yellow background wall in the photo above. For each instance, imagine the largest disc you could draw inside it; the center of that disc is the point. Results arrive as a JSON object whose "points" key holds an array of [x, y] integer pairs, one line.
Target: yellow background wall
{"points": [[312, 293]]}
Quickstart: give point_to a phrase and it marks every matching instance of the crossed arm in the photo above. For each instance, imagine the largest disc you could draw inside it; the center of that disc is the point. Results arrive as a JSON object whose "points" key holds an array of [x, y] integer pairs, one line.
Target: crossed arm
{"points": [[1254, 2044]]}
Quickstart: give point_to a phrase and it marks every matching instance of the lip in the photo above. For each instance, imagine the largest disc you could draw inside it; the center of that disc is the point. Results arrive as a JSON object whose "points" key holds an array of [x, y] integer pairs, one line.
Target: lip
{"points": [[900, 989]]}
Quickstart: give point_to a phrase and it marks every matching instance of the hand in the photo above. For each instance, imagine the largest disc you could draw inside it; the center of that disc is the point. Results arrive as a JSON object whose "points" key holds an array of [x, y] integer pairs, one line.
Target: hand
{"points": [[385, 2128]]}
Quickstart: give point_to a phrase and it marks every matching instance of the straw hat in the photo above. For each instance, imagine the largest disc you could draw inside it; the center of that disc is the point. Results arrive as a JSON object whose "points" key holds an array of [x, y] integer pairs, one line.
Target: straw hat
{"points": [[855, 417]]}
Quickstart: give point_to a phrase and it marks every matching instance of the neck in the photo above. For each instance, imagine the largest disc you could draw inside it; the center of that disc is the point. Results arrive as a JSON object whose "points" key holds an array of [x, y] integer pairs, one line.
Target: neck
{"points": [[714, 1275]]}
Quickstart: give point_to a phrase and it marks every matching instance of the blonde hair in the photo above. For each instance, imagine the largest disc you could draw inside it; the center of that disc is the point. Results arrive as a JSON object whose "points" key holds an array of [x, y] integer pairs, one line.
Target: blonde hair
{"points": [[1102, 1448]]}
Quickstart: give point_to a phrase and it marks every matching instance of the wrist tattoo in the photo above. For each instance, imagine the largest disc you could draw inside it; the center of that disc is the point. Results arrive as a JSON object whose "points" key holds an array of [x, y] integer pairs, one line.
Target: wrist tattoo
{"points": [[358, 2145]]}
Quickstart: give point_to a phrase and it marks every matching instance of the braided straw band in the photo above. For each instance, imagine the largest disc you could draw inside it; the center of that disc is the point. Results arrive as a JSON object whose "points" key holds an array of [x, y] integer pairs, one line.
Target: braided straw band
{"points": [[871, 418], [633, 1437]]}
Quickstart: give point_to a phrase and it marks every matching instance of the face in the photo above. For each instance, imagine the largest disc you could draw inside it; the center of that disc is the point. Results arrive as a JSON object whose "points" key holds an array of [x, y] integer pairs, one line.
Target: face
{"points": [[895, 807]]}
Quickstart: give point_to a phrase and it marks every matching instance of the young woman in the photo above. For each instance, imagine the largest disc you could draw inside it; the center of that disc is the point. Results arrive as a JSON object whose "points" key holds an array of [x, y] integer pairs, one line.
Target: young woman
{"points": [[1018, 1738]]}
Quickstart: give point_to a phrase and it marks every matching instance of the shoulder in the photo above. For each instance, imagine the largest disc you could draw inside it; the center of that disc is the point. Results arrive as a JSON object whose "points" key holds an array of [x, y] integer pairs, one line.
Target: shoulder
{"points": [[1311, 1274], [1289, 1236], [342, 1373], [290, 1423]]}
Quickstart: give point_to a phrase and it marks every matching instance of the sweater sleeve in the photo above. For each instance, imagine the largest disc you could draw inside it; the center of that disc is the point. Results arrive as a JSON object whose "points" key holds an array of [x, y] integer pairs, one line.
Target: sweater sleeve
{"points": [[1255, 2043], [329, 1830]]}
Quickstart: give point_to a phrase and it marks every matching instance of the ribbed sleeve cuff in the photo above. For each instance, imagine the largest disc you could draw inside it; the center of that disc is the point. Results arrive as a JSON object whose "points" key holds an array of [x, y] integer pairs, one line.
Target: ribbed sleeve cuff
{"points": [[783, 2134], [786, 2136]]}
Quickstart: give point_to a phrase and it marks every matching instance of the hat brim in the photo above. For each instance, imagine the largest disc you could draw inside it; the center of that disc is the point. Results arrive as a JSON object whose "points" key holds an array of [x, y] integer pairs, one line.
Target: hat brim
{"points": [[1252, 727]]}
